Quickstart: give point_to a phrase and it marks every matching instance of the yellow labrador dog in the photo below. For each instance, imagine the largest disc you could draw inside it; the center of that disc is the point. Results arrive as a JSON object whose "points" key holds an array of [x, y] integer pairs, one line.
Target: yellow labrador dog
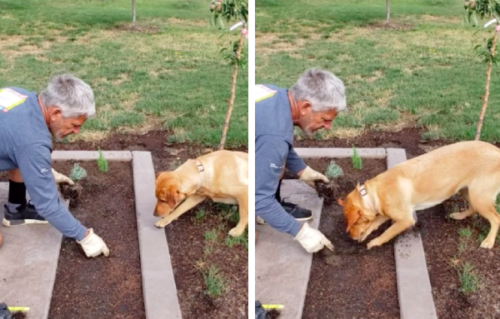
{"points": [[221, 176], [471, 168]]}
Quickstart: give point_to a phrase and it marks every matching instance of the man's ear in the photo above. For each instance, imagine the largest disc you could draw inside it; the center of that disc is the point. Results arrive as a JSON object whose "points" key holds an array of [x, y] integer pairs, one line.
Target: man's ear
{"points": [[304, 106], [352, 217], [54, 113], [341, 202]]}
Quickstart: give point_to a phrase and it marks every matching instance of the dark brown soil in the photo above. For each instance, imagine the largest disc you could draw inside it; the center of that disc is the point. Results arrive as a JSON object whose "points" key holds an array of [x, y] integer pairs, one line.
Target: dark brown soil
{"points": [[73, 193], [190, 252], [273, 314], [19, 315], [352, 282], [104, 287], [447, 252]]}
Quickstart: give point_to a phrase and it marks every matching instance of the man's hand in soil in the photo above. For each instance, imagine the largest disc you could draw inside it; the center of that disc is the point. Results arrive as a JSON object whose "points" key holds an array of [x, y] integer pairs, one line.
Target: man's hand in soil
{"points": [[93, 245], [312, 239], [61, 179], [310, 175]]}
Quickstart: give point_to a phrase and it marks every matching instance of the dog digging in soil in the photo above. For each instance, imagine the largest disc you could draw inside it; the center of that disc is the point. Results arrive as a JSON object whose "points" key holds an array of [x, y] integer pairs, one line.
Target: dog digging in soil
{"points": [[221, 176], [471, 168]]}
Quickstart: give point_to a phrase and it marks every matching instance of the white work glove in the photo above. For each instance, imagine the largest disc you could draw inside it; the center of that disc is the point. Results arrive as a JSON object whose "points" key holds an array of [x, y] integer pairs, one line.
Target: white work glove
{"points": [[93, 245], [60, 178], [309, 175], [312, 239]]}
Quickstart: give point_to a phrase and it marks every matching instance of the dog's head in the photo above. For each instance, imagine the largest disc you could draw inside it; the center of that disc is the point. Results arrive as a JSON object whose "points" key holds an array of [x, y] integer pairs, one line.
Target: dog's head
{"points": [[168, 194], [357, 218]]}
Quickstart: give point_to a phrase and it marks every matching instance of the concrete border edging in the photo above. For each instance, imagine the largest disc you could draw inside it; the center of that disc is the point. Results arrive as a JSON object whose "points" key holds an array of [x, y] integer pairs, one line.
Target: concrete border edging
{"points": [[340, 152], [414, 286], [125, 156], [158, 283]]}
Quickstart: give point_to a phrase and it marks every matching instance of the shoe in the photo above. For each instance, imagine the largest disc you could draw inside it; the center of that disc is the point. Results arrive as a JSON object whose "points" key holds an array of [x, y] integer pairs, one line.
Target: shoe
{"points": [[26, 214], [299, 213]]}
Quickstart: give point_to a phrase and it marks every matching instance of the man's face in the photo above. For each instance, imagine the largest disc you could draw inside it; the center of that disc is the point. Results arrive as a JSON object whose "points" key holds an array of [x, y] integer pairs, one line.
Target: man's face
{"points": [[61, 127], [311, 121]]}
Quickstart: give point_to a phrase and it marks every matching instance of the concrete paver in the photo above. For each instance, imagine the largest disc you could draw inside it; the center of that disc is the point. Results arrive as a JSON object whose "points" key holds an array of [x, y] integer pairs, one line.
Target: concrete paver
{"points": [[28, 264], [282, 266]]}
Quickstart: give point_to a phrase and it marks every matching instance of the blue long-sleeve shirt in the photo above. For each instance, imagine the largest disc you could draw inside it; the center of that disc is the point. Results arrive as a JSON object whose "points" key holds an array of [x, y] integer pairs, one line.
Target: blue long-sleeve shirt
{"points": [[25, 143], [273, 151]]}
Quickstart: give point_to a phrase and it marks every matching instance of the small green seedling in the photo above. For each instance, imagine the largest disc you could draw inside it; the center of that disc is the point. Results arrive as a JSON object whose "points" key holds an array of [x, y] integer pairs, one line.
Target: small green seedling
{"points": [[77, 173], [469, 280], [333, 170], [357, 162], [214, 283], [102, 163], [465, 232]]}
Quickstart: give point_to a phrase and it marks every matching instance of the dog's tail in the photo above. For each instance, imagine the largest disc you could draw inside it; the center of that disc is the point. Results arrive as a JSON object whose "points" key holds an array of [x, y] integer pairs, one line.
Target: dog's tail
{"points": [[206, 151]]}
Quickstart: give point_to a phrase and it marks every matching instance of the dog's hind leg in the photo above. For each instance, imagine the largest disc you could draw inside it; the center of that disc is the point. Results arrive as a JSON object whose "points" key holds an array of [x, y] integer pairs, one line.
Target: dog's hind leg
{"points": [[486, 208], [189, 203], [466, 213], [243, 210]]}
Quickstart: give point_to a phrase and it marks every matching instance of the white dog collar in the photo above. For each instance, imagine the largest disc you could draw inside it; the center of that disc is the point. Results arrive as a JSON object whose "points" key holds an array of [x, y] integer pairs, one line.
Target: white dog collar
{"points": [[366, 199]]}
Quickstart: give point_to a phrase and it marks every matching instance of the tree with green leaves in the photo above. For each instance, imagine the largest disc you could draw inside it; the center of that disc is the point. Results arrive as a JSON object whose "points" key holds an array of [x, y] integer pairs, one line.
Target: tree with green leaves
{"points": [[235, 11], [484, 9]]}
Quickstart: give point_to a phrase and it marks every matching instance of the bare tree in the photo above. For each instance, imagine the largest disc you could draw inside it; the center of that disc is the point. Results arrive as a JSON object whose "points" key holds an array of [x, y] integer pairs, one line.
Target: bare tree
{"points": [[387, 11], [133, 12]]}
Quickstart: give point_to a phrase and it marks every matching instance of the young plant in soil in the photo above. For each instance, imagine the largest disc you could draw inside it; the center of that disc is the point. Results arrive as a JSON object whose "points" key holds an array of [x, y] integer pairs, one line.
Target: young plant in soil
{"points": [[102, 163], [328, 191], [469, 280], [357, 162], [73, 192], [213, 282]]}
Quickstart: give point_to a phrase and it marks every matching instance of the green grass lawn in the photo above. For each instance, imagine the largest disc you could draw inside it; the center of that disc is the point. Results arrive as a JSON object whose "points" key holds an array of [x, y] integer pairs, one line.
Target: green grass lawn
{"points": [[170, 75], [423, 72]]}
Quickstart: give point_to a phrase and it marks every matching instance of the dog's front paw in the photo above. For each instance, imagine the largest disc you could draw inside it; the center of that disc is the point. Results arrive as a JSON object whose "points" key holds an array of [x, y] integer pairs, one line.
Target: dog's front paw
{"points": [[162, 223], [372, 243], [458, 216], [235, 232], [488, 244]]}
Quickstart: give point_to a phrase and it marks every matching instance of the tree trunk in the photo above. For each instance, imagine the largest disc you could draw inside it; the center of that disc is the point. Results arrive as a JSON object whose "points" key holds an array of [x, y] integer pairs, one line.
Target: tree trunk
{"points": [[487, 88], [387, 11], [233, 93], [133, 12]]}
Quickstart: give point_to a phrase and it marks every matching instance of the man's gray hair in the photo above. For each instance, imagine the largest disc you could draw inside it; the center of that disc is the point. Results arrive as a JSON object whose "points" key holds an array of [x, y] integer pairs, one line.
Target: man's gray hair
{"points": [[73, 96], [322, 89]]}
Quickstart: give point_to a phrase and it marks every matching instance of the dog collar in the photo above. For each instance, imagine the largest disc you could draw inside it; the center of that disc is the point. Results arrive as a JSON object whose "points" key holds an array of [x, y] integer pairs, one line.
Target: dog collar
{"points": [[366, 199], [200, 167]]}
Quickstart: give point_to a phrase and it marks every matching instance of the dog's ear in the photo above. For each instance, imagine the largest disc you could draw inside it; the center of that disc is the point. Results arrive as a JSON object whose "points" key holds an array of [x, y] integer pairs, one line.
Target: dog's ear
{"points": [[341, 202], [351, 218], [171, 196]]}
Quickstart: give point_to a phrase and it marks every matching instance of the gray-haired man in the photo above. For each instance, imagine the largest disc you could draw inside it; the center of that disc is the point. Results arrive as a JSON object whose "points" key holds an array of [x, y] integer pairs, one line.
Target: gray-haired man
{"points": [[27, 122], [311, 104]]}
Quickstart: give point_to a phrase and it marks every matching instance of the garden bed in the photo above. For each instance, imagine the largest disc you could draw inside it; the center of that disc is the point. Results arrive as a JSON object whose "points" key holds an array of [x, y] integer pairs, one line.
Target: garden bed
{"points": [[101, 287], [452, 249], [201, 252], [353, 282]]}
